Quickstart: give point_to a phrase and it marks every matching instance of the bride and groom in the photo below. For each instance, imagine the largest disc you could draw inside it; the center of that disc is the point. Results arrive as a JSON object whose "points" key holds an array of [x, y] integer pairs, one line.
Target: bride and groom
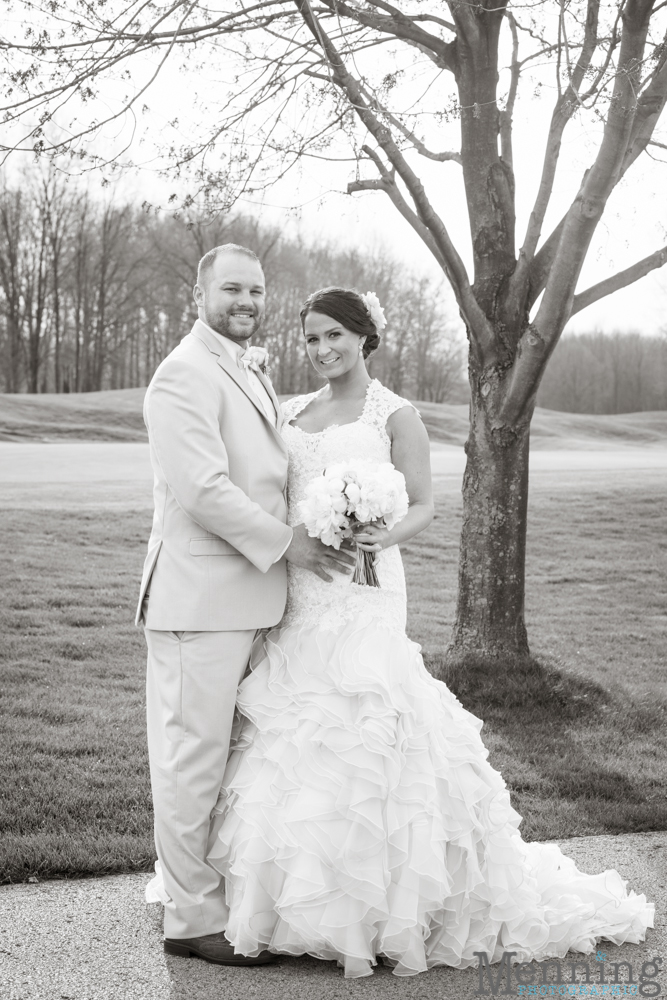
{"points": [[346, 810]]}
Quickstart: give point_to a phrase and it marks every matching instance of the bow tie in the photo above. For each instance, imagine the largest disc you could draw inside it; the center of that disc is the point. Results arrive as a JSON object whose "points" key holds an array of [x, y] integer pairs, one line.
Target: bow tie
{"points": [[253, 357]]}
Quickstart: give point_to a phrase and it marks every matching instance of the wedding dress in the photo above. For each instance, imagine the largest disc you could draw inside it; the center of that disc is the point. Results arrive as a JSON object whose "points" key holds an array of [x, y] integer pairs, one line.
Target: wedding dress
{"points": [[358, 815]]}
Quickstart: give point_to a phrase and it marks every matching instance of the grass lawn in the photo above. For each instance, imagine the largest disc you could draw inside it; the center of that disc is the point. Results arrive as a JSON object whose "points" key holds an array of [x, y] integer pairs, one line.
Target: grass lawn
{"points": [[580, 735], [116, 415], [74, 792]]}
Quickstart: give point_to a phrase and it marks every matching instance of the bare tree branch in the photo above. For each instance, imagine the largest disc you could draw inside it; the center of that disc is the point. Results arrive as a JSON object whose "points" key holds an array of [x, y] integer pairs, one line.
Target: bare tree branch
{"points": [[401, 26], [620, 280], [395, 12], [541, 336], [506, 115], [650, 106], [387, 183], [600, 180], [404, 130], [431, 17], [565, 107], [452, 263], [611, 48], [150, 35]]}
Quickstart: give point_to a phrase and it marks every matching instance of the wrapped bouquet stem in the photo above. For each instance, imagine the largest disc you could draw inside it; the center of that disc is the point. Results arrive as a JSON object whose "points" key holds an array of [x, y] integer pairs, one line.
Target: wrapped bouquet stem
{"points": [[346, 498], [364, 567]]}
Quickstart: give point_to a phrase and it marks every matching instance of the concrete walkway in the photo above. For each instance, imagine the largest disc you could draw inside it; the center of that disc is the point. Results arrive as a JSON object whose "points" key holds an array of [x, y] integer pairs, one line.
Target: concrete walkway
{"points": [[85, 462], [96, 940], [80, 474]]}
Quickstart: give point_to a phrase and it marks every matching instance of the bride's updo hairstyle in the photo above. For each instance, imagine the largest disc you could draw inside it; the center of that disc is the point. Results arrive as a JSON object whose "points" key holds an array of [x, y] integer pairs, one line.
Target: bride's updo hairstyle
{"points": [[346, 307]]}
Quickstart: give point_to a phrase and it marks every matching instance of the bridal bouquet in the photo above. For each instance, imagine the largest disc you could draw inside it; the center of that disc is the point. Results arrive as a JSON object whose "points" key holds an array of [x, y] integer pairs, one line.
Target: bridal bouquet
{"points": [[346, 498]]}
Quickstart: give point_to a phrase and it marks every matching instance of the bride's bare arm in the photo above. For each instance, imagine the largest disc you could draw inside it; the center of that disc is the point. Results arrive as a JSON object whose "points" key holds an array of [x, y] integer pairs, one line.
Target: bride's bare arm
{"points": [[411, 454]]}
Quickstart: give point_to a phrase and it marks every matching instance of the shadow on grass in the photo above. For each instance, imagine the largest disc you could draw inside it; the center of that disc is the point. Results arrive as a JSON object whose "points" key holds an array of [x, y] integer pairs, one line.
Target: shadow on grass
{"points": [[559, 726]]}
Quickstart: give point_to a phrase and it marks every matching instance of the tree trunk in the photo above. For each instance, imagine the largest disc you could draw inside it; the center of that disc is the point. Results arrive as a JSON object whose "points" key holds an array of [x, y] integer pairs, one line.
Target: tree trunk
{"points": [[490, 610]]}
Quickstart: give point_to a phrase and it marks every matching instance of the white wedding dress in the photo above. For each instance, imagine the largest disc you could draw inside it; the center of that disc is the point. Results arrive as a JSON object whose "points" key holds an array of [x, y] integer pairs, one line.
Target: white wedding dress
{"points": [[359, 816]]}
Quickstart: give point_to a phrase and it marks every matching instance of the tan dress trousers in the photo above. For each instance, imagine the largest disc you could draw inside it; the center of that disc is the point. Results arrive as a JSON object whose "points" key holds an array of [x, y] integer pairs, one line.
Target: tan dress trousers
{"points": [[191, 687]]}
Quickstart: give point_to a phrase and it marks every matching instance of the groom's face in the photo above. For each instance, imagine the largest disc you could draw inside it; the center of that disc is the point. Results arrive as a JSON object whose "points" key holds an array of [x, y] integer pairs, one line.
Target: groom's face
{"points": [[232, 296]]}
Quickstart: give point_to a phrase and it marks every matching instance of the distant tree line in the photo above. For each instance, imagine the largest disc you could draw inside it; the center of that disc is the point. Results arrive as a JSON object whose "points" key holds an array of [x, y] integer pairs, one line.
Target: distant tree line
{"points": [[606, 373], [95, 292]]}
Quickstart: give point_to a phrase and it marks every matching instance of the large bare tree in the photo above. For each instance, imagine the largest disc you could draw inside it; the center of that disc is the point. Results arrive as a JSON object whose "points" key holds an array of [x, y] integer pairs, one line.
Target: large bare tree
{"points": [[382, 82]]}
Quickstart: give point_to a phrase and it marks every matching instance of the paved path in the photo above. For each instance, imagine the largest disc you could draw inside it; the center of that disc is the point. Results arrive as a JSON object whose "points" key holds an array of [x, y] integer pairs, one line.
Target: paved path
{"points": [[96, 940], [75, 475], [106, 461], [108, 474], [70, 462]]}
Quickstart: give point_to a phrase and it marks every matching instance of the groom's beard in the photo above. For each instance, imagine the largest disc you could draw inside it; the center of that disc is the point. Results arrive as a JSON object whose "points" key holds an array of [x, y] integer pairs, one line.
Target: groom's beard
{"points": [[222, 323]]}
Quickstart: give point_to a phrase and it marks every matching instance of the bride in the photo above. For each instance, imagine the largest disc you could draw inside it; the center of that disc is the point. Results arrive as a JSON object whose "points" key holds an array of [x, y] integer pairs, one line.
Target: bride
{"points": [[359, 817]]}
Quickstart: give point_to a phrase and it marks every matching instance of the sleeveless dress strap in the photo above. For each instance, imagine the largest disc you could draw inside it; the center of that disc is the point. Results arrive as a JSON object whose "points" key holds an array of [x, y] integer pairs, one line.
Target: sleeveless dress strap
{"points": [[380, 404], [292, 407]]}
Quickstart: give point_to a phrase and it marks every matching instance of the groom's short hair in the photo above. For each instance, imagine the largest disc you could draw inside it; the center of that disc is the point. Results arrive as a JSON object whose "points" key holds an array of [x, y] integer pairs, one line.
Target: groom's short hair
{"points": [[207, 261]]}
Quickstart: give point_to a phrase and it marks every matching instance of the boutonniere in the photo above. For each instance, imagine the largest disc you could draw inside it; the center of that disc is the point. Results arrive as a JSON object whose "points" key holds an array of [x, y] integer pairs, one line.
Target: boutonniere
{"points": [[255, 358]]}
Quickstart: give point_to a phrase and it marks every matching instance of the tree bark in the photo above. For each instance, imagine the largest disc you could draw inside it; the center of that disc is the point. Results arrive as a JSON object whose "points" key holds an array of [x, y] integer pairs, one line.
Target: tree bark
{"points": [[490, 609]]}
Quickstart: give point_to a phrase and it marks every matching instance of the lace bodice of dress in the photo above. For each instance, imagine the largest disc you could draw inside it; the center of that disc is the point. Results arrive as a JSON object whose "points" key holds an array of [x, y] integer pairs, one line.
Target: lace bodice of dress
{"points": [[309, 599]]}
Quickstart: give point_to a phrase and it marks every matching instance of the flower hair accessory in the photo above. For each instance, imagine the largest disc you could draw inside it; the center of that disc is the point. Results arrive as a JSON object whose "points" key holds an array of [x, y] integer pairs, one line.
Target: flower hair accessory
{"points": [[375, 310]]}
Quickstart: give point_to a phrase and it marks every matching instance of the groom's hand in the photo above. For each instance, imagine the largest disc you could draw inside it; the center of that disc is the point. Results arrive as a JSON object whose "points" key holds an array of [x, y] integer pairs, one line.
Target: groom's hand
{"points": [[311, 553]]}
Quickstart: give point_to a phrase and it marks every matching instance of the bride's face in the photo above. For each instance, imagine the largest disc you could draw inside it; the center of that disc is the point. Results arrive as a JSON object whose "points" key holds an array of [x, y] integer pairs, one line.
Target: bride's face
{"points": [[332, 348]]}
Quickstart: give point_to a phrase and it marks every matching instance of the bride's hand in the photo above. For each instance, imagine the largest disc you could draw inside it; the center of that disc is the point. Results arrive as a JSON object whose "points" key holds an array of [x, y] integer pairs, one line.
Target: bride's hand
{"points": [[373, 538], [310, 553]]}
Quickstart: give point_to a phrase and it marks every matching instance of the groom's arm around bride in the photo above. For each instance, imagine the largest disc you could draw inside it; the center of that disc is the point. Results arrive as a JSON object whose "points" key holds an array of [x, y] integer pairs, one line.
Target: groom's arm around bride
{"points": [[214, 573]]}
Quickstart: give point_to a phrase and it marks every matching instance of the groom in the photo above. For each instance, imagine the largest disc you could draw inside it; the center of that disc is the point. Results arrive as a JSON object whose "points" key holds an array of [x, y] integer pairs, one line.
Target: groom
{"points": [[215, 573]]}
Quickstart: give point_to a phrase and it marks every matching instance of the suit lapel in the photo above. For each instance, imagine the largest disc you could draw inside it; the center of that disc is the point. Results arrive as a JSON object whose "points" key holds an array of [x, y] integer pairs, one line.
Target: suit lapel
{"points": [[266, 382], [232, 369]]}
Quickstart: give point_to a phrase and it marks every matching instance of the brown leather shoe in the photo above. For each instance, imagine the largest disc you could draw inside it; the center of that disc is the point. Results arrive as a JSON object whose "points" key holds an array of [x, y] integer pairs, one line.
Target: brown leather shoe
{"points": [[214, 948]]}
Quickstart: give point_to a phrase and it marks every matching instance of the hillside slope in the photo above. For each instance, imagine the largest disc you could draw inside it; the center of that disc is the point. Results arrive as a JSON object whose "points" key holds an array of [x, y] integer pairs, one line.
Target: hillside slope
{"points": [[116, 415], [552, 429]]}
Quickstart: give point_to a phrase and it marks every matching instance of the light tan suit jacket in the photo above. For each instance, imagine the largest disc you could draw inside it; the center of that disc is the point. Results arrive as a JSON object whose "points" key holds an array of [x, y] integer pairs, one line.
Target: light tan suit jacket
{"points": [[220, 472]]}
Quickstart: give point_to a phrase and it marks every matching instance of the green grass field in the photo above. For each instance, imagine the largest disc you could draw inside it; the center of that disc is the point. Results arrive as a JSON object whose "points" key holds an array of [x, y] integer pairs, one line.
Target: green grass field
{"points": [[580, 737], [580, 734], [74, 787]]}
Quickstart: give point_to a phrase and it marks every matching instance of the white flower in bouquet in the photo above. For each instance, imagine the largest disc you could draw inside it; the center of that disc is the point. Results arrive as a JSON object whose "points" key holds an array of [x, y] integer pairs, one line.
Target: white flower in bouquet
{"points": [[324, 510], [382, 497], [399, 510], [349, 495], [353, 492]]}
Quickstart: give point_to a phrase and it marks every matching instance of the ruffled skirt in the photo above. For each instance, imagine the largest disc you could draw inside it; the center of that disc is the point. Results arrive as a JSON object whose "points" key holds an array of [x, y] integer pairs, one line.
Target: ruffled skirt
{"points": [[359, 817]]}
